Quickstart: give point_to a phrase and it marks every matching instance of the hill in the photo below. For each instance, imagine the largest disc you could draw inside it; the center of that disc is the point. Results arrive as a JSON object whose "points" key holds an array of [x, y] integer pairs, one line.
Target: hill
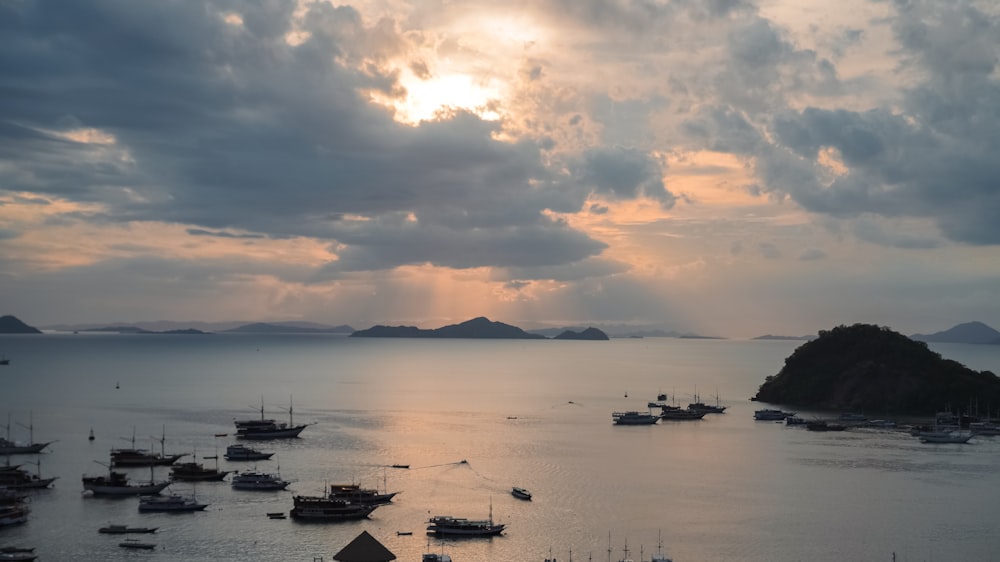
{"points": [[870, 368], [11, 325], [478, 328], [588, 334], [969, 332]]}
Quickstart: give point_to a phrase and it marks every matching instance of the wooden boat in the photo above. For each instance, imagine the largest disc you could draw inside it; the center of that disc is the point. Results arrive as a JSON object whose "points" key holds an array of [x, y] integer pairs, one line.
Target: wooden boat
{"points": [[125, 530], [268, 428], [325, 509]]}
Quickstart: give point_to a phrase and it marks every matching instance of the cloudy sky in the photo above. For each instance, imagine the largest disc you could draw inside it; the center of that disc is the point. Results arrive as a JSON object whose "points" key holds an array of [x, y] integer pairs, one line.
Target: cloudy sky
{"points": [[719, 166]]}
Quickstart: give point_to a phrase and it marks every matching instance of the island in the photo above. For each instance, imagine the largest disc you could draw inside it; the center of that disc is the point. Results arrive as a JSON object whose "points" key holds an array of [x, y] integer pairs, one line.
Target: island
{"points": [[12, 325], [870, 368], [477, 328]]}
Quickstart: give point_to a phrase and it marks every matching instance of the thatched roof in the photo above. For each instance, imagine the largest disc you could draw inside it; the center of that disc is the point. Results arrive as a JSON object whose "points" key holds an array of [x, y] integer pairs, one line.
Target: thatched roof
{"points": [[364, 548]]}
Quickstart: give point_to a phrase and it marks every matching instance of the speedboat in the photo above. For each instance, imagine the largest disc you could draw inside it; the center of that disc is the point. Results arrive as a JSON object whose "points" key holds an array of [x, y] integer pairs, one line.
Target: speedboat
{"points": [[240, 452], [634, 418], [520, 493], [172, 503], [253, 480], [768, 414]]}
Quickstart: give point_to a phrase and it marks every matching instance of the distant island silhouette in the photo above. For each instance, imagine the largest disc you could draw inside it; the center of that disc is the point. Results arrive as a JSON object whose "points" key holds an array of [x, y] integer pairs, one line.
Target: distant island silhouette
{"points": [[12, 325], [477, 328], [871, 368]]}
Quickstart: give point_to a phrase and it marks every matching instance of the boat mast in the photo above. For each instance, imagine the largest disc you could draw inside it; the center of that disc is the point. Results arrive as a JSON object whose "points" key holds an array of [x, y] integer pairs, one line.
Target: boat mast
{"points": [[30, 427]]}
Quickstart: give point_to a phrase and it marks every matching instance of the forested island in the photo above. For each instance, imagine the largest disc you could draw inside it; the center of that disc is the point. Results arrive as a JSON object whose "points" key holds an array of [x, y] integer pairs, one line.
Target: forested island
{"points": [[870, 368], [477, 328]]}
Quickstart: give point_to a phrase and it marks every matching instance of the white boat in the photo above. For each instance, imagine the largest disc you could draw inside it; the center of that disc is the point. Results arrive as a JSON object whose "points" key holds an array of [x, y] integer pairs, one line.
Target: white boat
{"points": [[768, 414], [634, 418], [240, 452], [172, 503], [945, 436], [520, 493], [253, 480]]}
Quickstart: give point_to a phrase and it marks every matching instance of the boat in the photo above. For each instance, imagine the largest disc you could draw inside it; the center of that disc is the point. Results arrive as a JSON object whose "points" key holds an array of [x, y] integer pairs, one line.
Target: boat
{"points": [[254, 480], [520, 493], [674, 413], [699, 406], [13, 514], [136, 544], [446, 525], [822, 425], [9, 446], [795, 420], [117, 484], [192, 471], [172, 503], [268, 428], [354, 493], [143, 457], [634, 418], [985, 427], [240, 452], [403, 533], [400, 466], [768, 414], [945, 436], [318, 508], [126, 530], [4, 360], [276, 515], [433, 557], [20, 556], [20, 479]]}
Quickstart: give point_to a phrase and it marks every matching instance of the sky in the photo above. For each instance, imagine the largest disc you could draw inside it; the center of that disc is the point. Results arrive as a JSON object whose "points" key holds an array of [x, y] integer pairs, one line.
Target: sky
{"points": [[723, 167]]}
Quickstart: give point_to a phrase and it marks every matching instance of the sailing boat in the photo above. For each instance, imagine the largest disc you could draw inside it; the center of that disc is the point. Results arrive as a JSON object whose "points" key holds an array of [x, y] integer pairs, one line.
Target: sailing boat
{"points": [[143, 457], [9, 447], [268, 428]]}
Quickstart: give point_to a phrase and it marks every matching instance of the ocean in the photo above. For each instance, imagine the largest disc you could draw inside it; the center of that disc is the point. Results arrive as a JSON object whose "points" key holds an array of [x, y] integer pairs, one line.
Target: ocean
{"points": [[529, 413]]}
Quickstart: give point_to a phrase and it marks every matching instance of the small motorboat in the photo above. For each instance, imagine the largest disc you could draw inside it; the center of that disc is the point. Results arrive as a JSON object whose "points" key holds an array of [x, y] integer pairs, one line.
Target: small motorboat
{"points": [[400, 466], [520, 493], [276, 515], [403, 533]]}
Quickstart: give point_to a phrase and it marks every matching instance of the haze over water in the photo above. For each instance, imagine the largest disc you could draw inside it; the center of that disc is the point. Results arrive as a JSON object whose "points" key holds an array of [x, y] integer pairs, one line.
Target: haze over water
{"points": [[535, 414]]}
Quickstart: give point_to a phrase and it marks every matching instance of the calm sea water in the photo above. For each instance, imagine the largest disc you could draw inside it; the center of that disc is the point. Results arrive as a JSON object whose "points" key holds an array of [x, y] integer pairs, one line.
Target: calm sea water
{"points": [[534, 414]]}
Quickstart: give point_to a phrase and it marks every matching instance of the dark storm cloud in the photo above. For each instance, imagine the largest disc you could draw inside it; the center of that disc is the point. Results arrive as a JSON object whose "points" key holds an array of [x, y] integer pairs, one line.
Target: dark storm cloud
{"points": [[229, 128], [624, 173]]}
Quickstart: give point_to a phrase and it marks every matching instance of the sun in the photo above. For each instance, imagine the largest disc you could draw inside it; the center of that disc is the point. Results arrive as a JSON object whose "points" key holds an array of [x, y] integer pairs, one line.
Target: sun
{"points": [[428, 99]]}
